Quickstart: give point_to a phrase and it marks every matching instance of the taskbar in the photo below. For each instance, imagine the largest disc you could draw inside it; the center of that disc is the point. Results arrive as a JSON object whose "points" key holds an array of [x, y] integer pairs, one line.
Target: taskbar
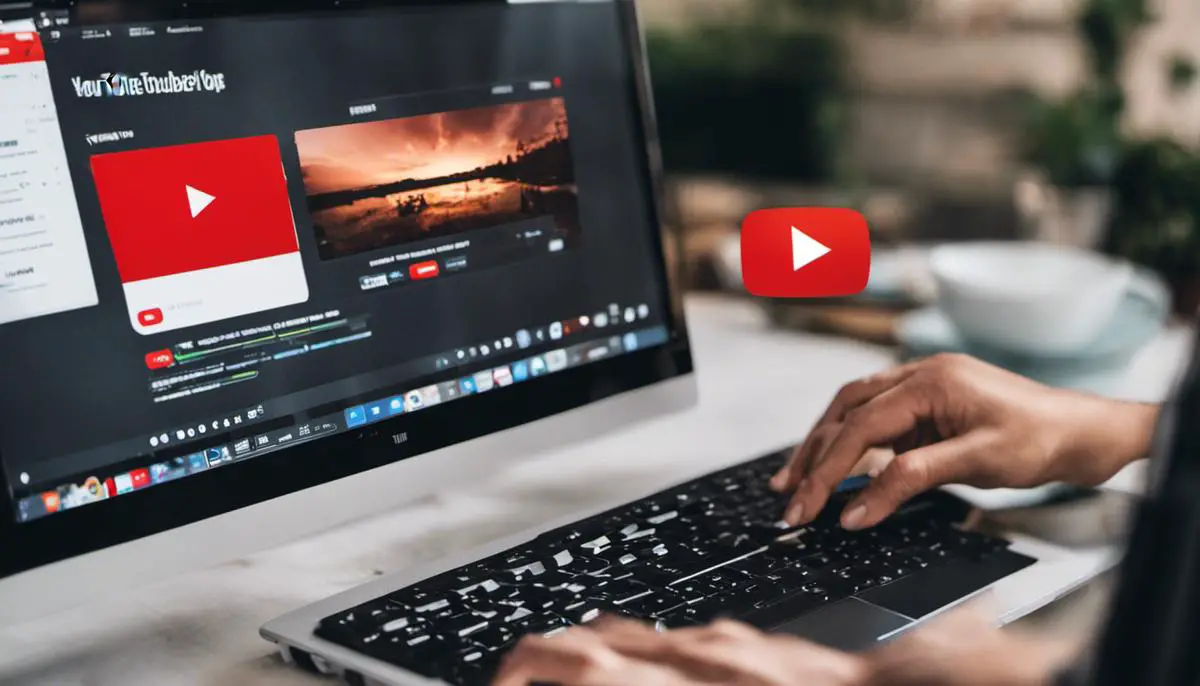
{"points": [[97, 489]]}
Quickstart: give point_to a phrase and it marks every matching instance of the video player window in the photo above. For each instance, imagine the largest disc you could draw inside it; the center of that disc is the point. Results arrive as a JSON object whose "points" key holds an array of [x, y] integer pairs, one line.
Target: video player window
{"points": [[385, 183], [233, 235]]}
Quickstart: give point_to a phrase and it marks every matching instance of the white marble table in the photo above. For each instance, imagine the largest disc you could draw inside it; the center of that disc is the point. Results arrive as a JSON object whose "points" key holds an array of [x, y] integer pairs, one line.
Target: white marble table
{"points": [[760, 389]]}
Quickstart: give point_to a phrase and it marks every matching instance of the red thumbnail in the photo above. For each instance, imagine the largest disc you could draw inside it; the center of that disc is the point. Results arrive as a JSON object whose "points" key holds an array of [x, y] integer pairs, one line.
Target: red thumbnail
{"points": [[189, 207], [140, 477], [200, 232]]}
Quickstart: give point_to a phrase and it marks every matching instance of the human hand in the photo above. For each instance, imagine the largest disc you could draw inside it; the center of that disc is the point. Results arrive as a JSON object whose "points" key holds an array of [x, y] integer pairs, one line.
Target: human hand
{"points": [[955, 419], [618, 652], [964, 649]]}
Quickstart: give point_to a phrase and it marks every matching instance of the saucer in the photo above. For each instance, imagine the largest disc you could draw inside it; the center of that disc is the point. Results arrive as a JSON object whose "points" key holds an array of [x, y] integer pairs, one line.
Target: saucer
{"points": [[1096, 367]]}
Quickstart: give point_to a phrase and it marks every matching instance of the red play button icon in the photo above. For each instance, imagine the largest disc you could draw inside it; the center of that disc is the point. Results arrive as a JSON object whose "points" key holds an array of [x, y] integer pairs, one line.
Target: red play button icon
{"points": [[805, 253], [150, 317]]}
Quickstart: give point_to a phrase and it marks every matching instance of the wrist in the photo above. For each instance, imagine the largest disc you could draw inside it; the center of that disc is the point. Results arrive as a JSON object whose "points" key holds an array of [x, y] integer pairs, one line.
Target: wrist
{"points": [[1105, 437]]}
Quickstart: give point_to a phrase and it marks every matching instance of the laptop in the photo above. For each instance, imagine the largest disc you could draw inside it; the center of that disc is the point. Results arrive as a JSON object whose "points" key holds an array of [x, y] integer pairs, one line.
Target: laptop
{"points": [[279, 266]]}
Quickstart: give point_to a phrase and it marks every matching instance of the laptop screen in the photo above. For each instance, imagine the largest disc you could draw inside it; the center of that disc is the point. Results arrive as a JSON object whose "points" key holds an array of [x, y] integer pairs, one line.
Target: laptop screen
{"points": [[226, 237]]}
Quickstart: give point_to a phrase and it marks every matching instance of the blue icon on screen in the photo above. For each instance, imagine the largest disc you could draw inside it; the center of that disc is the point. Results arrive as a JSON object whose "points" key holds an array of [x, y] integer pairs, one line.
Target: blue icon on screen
{"points": [[467, 385], [396, 406], [537, 366], [355, 416], [377, 410], [631, 342], [520, 370], [197, 462]]}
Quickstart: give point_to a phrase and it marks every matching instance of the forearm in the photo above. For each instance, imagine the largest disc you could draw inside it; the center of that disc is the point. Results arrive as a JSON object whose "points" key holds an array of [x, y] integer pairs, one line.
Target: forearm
{"points": [[982, 657], [1110, 435]]}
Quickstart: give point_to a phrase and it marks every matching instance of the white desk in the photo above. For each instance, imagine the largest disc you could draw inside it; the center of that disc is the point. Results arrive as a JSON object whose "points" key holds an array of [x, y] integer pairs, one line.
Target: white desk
{"points": [[760, 389]]}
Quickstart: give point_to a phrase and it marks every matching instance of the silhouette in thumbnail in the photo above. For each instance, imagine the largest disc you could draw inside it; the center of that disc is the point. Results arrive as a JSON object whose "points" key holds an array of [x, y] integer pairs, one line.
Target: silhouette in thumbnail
{"points": [[380, 184]]}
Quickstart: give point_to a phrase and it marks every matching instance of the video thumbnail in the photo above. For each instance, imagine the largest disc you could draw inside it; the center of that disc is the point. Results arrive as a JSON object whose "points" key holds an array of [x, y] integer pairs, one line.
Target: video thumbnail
{"points": [[198, 229], [384, 183]]}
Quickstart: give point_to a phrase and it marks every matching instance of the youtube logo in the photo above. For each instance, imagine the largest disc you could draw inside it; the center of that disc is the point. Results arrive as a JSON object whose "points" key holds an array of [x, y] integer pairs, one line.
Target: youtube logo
{"points": [[150, 317], [200, 232], [805, 253]]}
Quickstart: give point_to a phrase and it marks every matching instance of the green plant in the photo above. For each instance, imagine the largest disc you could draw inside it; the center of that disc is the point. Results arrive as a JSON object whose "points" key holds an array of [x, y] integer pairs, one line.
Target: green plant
{"points": [[1156, 219], [761, 94], [1181, 73], [1077, 141], [755, 99], [1107, 27], [1154, 184]]}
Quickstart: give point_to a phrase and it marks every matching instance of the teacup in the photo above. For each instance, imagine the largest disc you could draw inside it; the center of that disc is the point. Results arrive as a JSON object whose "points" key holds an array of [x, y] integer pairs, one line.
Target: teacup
{"points": [[1032, 298]]}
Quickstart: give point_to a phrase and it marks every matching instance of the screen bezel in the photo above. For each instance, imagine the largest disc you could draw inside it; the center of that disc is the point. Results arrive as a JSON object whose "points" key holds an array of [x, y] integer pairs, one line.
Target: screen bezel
{"points": [[202, 496]]}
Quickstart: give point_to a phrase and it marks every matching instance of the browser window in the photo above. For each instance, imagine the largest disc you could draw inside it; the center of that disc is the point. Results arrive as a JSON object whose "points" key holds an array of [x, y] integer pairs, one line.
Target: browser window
{"points": [[261, 231], [44, 261]]}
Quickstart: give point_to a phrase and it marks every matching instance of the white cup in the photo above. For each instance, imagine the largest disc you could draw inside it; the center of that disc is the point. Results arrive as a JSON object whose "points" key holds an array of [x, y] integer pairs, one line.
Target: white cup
{"points": [[1029, 297]]}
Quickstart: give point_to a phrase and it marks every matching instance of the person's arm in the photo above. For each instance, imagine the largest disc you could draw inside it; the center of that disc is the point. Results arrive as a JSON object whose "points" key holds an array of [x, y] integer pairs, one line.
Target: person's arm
{"points": [[1114, 435], [959, 650], [952, 419], [966, 649]]}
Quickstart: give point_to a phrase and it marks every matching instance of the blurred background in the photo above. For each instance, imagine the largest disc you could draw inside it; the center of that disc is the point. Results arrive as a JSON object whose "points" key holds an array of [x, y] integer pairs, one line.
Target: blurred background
{"points": [[1069, 122]]}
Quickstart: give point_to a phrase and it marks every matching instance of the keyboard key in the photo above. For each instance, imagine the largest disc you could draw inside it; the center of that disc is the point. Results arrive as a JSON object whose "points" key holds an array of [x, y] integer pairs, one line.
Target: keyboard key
{"points": [[496, 637], [584, 611], [540, 624], [653, 603]]}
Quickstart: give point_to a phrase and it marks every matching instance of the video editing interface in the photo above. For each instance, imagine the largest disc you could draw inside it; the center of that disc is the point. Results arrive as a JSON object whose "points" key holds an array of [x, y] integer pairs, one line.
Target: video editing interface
{"points": [[219, 238]]}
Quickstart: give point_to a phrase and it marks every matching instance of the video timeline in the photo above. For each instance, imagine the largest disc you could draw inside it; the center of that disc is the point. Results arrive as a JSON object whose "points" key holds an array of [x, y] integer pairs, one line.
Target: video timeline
{"points": [[195, 366], [253, 442]]}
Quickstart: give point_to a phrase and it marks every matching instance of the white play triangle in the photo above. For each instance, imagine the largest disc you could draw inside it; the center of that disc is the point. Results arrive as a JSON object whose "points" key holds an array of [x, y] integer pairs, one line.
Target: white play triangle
{"points": [[198, 200], [805, 250]]}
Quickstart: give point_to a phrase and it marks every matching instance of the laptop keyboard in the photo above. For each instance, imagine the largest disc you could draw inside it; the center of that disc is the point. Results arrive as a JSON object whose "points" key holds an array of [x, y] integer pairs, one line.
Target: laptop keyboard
{"points": [[710, 548]]}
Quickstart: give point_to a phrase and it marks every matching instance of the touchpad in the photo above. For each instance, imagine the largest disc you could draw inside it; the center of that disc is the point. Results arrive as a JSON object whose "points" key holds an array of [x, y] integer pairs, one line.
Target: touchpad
{"points": [[850, 625]]}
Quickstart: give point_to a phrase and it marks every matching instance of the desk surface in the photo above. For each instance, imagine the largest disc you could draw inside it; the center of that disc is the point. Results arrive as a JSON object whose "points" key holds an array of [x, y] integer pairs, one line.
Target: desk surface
{"points": [[759, 389]]}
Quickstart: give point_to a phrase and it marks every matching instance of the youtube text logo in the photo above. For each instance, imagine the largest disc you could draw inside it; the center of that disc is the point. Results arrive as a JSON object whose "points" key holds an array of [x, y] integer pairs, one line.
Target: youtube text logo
{"points": [[805, 253], [200, 232]]}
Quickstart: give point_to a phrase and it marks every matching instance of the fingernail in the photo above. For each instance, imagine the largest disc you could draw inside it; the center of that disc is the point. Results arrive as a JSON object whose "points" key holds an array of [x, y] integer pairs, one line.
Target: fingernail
{"points": [[777, 482], [795, 514], [854, 518], [803, 485]]}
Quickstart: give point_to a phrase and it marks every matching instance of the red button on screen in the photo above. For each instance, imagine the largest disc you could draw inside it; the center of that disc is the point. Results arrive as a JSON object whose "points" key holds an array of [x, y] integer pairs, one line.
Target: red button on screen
{"points": [[160, 359], [423, 270], [150, 317]]}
